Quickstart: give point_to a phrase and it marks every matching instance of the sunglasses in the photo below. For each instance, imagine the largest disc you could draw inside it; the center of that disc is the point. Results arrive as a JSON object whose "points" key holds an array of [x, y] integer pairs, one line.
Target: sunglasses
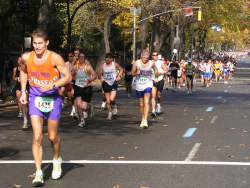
{"points": [[108, 57], [154, 55]]}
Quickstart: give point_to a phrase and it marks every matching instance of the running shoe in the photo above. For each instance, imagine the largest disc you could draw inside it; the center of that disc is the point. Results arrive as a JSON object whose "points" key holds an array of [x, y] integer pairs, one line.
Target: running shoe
{"points": [[188, 92], [114, 111], [145, 124], [25, 126], [57, 170], [153, 114], [91, 111], [85, 114], [128, 95], [72, 113], [158, 109], [103, 105], [191, 92], [109, 116], [20, 115], [82, 123], [76, 116], [38, 181], [142, 122]]}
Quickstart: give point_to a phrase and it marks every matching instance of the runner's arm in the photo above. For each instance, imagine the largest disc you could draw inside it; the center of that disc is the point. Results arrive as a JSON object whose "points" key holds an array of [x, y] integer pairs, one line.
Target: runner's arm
{"points": [[155, 70], [117, 66], [59, 63], [134, 69], [165, 70], [92, 73], [100, 73], [14, 74]]}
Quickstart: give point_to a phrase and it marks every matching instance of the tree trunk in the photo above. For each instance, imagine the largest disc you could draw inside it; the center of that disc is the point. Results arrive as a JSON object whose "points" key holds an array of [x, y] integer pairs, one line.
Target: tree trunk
{"points": [[106, 31], [44, 15], [5, 20], [141, 41], [101, 55], [70, 20]]}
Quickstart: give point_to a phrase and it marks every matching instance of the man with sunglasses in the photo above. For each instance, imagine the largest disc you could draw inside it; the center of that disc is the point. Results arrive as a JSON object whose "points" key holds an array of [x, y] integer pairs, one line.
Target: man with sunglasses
{"points": [[110, 78], [157, 86], [142, 69]]}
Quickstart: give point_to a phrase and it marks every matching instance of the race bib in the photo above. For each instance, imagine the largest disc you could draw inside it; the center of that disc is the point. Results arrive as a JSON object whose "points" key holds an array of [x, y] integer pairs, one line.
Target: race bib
{"points": [[189, 71], [109, 76], [143, 80], [80, 80], [44, 104]]}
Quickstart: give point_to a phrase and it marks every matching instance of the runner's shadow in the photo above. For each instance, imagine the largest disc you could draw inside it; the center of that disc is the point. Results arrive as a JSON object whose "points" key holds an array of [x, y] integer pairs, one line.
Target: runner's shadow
{"points": [[8, 152], [47, 169]]}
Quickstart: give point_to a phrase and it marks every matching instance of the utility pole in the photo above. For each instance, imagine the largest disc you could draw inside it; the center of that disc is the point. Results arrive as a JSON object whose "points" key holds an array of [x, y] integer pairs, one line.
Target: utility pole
{"points": [[134, 41]]}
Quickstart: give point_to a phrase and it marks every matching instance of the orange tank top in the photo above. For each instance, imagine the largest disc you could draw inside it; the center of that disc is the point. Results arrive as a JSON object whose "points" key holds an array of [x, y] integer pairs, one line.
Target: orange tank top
{"points": [[41, 74]]}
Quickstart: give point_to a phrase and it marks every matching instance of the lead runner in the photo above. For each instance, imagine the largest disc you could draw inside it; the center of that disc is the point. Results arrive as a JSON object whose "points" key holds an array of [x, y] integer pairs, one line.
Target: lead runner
{"points": [[43, 68]]}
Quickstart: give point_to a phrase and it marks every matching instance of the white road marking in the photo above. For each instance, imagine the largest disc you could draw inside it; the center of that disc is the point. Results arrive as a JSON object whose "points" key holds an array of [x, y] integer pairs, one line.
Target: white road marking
{"points": [[214, 118], [193, 152], [225, 91], [219, 97], [131, 162], [225, 100]]}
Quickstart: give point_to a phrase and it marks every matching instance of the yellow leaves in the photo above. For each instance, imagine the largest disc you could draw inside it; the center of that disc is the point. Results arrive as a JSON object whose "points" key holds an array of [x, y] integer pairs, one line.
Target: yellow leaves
{"points": [[99, 153], [32, 176], [16, 185], [120, 157], [136, 147]]}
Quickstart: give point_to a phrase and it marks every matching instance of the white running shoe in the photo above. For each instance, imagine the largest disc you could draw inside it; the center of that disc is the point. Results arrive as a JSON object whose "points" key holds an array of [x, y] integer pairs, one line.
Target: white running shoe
{"points": [[191, 92], [188, 92], [158, 109], [20, 114], [153, 114], [91, 111], [76, 116], [103, 105], [85, 114], [25, 125], [114, 111], [109, 116], [57, 170], [128, 95], [38, 181], [145, 124], [82, 123], [142, 122], [72, 113]]}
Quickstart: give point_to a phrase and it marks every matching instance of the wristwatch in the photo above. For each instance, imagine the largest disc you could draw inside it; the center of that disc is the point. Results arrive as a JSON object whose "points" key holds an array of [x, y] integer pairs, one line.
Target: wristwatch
{"points": [[53, 86]]}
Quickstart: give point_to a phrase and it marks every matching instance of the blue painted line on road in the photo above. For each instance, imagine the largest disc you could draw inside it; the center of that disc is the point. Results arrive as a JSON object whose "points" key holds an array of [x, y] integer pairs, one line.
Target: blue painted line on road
{"points": [[229, 87], [219, 97], [225, 91], [209, 109], [189, 132]]}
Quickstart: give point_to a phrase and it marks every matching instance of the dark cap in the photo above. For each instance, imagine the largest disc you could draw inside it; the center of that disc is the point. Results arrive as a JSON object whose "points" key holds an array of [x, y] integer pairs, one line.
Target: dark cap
{"points": [[109, 55], [206, 60]]}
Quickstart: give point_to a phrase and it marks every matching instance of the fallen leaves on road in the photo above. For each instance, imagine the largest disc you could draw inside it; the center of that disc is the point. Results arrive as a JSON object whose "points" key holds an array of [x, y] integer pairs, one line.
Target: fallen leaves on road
{"points": [[16, 185], [244, 131], [134, 117], [246, 157], [165, 125], [31, 176], [242, 145], [231, 156], [215, 160], [46, 134], [112, 158], [197, 122], [201, 119], [136, 147], [117, 186], [215, 146], [121, 157], [100, 154], [173, 166], [227, 146], [232, 128], [124, 143], [244, 181]]}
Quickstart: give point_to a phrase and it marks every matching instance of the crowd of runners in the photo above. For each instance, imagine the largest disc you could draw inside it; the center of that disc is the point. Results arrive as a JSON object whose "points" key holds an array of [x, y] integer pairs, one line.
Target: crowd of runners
{"points": [[43, 79]]}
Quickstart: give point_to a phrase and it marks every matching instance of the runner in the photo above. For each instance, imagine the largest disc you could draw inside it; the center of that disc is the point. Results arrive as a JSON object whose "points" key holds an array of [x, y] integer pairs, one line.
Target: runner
{"points": [[157, 86], [142, 69], [225, 72], [174, 67], [207, 73], [69, 86], [190, 69], [167, 75], [84, 75], [183, 72], [110, 81], [221, 69], [202, 69], [128, 77], [231, 73], [217, 70], [43, 68], [22, 107]]}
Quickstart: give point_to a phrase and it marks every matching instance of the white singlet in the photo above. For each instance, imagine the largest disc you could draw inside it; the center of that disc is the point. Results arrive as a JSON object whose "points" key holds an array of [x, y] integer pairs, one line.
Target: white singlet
{"points": [[144, 80], [109, 73]]}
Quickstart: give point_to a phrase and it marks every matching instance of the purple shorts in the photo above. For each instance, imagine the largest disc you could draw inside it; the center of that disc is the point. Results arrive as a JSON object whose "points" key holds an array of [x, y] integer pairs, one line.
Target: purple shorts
{"points": [[55, 114]]}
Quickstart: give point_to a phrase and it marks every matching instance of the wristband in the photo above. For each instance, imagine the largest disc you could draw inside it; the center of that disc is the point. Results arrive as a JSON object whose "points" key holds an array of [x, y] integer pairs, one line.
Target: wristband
{"points": [[23, 90]]}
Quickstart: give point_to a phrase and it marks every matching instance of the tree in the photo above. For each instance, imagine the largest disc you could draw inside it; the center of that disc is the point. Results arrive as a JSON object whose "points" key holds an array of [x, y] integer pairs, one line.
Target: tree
{"points": [[44, 15], [6, 11]]}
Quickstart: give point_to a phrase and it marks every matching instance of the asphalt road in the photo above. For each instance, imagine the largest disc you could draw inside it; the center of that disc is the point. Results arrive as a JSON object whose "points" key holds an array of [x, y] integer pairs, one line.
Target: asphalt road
{"points": [[199, 141]]}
